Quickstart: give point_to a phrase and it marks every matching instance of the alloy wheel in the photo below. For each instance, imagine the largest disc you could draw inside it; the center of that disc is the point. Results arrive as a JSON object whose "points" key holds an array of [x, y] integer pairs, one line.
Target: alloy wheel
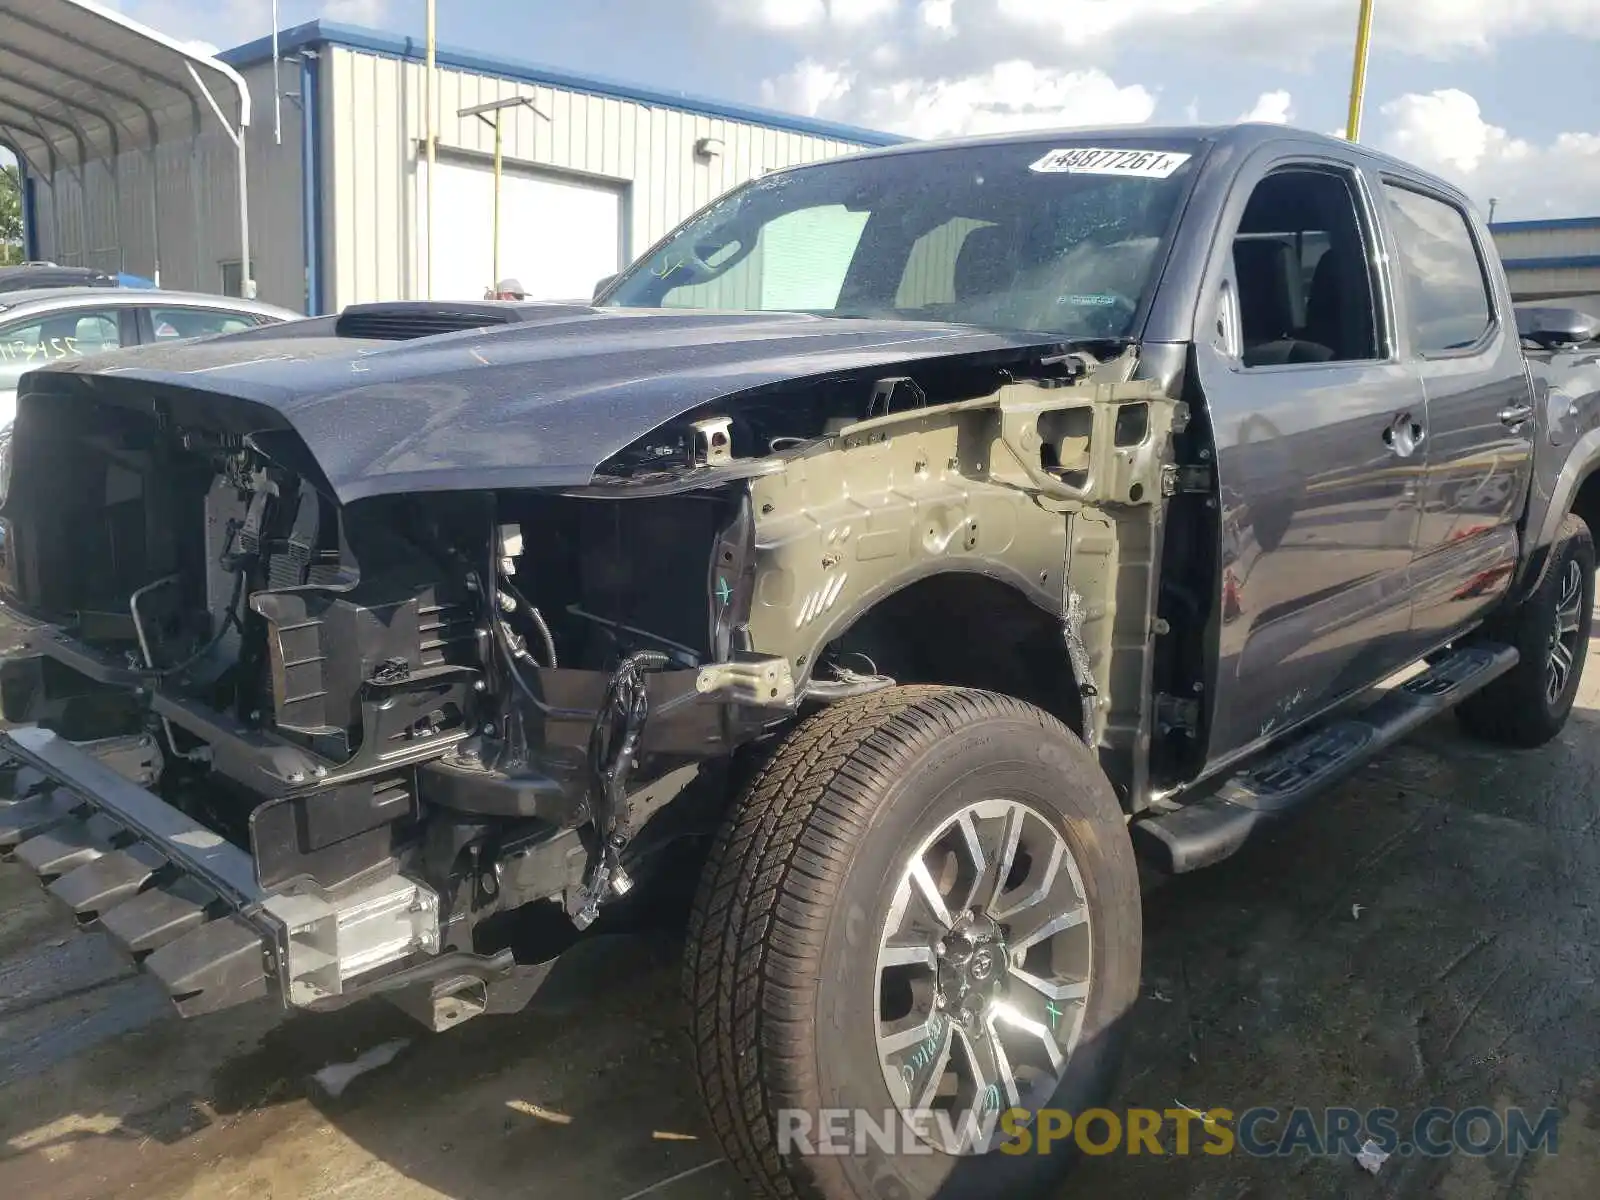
{"points": [[1564, 646], [984, 970]]}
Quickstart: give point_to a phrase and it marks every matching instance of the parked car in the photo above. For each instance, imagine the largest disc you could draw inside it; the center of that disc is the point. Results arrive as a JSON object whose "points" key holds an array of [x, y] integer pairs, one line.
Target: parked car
{"points": [[34, 275], [889, 554], [52, 324]]}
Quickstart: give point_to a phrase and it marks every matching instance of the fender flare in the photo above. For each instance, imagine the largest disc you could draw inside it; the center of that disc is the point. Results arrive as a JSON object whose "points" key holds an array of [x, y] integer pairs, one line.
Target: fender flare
{"points": [[1582, 462]]}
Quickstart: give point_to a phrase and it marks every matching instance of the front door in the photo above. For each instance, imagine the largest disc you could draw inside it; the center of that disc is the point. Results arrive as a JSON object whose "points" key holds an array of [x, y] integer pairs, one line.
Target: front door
{"points": [[1479, 450], [1319, 425]]}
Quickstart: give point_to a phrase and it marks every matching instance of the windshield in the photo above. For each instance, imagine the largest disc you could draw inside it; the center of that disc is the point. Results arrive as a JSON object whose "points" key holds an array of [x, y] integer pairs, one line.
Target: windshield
{"points": [[1053, 237]]}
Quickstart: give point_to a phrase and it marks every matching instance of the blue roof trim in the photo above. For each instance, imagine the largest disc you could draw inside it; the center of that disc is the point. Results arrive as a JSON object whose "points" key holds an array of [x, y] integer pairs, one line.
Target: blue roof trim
{"points": [[327, 33], [1554, 223], [1555, 263]]}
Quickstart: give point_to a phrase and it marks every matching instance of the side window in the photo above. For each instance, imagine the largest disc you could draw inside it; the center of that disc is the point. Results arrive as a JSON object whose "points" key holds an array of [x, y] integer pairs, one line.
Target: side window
{"points": [[1303, 272], [1446, 289], [798, 262], [76, 334], [174, 324]]}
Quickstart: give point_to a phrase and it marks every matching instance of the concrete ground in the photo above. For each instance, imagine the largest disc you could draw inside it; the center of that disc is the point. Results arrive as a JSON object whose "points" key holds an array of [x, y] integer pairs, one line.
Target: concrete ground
{"points": [[1429, 936]]}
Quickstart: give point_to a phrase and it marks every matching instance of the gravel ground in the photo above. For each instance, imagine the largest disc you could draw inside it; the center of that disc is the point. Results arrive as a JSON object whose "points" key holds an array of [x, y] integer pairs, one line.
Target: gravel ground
{"points": [[1427, 936]]}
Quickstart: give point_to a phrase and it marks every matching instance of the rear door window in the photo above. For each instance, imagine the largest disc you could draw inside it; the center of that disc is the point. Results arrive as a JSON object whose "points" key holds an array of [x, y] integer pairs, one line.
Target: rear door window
{"points": [[36, 341], [1449, 308]]}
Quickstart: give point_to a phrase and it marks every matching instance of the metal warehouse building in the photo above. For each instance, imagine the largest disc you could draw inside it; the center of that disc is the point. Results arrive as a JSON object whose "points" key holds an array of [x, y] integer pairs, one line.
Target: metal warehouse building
{"points": [[594, 173], [1551, 259]]}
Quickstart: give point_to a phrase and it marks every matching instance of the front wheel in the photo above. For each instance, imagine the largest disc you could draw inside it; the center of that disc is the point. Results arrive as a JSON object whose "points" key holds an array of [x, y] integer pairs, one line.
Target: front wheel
{"points": [[1529, 705], [921, 917]]}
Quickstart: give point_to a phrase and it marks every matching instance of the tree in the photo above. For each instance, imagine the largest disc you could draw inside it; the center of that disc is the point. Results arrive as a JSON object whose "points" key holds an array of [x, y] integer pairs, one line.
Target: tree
{"points": [[10, 214]]}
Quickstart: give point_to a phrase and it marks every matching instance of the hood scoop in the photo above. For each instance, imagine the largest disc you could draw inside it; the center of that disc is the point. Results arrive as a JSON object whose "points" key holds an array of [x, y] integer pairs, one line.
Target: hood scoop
{"points": [[403, 321]]}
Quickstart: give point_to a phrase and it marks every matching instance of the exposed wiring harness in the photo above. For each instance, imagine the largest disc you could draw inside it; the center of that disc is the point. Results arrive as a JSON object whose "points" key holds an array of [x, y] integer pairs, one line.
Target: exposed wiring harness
{"points": [[538, 620], [230, 619], [613, 742]]}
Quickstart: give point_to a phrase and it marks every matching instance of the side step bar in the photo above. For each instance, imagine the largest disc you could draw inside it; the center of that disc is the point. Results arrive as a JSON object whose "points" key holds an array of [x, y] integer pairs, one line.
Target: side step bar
{"points": [[170, 892], [1213, 828]]}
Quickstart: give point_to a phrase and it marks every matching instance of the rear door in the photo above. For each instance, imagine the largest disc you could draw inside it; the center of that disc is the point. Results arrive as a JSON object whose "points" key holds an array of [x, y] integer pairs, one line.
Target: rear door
{"points": [[1478, 455], [1317, 419]]}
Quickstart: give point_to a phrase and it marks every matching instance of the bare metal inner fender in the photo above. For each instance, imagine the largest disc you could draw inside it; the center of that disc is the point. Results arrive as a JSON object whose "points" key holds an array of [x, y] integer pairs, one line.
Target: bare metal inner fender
{"points": [[1051, 487]]}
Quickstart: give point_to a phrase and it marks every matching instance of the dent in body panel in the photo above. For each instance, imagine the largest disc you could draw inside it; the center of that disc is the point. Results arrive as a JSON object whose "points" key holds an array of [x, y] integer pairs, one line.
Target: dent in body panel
{"points": [[1036, 486]]}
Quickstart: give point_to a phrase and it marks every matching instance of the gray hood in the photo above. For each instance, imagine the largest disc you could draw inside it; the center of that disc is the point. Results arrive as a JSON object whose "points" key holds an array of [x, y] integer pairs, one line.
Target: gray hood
{"points": [[539, 403]]}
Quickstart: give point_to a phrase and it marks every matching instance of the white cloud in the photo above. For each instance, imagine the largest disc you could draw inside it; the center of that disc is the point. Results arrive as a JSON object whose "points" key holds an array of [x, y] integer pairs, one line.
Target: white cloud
{"points": [[793, 16], [1298, 28], [938, 15], [809, 89], [1446, 132], [778, 14], [1013, 95], [1274, 107], [357, 12], [851, 14], [224, 23]]}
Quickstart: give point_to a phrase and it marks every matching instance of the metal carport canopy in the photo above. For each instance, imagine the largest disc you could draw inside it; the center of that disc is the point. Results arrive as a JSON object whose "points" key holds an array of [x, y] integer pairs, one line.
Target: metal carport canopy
{"points": [[81, 84]]}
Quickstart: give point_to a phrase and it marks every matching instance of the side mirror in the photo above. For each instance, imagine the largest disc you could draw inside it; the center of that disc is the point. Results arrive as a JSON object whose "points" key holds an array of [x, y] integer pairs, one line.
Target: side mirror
{"points": [[603, 285], [1550, 328]]}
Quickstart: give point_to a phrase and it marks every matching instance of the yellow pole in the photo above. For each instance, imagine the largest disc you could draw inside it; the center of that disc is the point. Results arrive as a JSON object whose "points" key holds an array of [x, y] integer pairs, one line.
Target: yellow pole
{"points": [[428, 118], [1358, 81], [495, 282]]}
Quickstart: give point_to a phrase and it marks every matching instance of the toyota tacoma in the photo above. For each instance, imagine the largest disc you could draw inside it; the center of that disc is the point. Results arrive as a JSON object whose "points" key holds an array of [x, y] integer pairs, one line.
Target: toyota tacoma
{"points": [[881, 562]]}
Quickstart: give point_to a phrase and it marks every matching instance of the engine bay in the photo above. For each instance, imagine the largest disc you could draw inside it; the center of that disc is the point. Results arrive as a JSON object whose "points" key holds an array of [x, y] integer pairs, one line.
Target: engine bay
{"points": [[514, 699]]}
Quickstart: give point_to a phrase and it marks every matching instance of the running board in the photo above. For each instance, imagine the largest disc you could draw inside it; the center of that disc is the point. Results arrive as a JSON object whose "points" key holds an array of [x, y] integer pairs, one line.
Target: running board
{"points": [[1213, 828]]}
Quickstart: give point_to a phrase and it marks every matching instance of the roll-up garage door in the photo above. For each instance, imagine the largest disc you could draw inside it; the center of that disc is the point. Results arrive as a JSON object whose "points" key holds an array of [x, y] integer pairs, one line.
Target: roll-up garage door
{"points": [[559, 236]]}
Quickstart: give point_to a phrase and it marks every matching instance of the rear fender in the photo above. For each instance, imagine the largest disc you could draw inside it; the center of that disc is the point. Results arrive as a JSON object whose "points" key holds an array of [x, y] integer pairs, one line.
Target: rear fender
{"points": [[1548, 506]]}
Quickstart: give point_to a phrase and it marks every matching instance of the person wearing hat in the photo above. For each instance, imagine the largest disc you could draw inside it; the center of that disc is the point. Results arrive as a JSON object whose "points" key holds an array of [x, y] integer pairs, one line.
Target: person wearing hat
{"points": [[506, 289]]}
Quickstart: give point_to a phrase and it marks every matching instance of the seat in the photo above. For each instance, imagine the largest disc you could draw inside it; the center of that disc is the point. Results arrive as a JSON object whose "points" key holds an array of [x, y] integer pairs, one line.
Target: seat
{"points": [[1336, 311], [1267, 273]]}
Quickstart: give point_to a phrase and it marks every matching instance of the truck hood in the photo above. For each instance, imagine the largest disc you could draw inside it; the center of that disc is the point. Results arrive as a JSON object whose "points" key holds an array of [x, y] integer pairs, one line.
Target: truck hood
{"points": [[538, 403]]}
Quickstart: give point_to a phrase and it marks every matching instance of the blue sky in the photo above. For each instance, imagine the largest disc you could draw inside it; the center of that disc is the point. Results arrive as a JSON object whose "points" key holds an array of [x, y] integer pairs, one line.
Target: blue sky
{"points": [[1502, 95]]}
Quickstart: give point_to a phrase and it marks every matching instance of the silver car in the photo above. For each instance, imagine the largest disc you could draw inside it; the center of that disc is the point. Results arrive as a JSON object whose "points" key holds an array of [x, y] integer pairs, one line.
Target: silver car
{"points": [[45, 325]]}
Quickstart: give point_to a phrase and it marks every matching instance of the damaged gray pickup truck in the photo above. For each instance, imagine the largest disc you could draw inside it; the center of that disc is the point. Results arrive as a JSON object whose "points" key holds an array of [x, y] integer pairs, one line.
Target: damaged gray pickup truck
{"points": [[876, 564]]}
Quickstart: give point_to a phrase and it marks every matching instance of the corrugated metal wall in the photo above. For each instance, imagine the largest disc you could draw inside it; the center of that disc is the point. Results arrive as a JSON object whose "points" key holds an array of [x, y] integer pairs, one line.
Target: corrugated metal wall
{"points": [[1550, 259], [373, 145], [105, 220], [1566, 241], [371, 127]]}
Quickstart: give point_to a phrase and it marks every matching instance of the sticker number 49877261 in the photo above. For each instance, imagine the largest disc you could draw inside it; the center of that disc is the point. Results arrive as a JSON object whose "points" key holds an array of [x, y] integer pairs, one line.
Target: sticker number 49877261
{"points": [[1094, 160]]}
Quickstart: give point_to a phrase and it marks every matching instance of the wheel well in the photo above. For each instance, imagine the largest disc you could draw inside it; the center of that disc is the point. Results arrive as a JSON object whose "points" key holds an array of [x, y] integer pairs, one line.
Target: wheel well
{"points": [[967, 630], [1587, 502]]}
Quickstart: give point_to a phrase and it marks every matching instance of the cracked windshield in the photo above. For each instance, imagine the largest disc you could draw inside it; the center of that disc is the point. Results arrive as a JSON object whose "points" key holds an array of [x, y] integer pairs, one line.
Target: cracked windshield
{"points": [[1042, 237]]}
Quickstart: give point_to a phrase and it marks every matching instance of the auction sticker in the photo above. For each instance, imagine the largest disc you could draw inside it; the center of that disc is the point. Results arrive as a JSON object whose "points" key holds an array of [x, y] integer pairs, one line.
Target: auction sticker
{"points": [[1093, 160]]}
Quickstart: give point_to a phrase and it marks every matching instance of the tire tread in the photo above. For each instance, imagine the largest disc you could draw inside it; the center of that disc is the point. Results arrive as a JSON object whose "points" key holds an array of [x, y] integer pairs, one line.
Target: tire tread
{"points": [[759, 919], [1511, 711]]}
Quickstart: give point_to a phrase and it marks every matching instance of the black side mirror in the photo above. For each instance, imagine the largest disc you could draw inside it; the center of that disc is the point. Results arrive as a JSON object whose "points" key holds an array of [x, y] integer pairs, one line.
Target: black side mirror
{"points": [[1550, 328], [603, 285]]}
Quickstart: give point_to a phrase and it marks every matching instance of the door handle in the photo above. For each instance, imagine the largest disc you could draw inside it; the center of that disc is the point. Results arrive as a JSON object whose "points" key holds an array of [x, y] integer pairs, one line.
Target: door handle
{"points": [[1403, 435], [1516, 414]]}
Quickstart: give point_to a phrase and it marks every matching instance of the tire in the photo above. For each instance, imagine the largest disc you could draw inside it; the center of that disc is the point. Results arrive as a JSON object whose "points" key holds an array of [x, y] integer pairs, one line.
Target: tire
{"points": [[1524, 708], [783, 973]]}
